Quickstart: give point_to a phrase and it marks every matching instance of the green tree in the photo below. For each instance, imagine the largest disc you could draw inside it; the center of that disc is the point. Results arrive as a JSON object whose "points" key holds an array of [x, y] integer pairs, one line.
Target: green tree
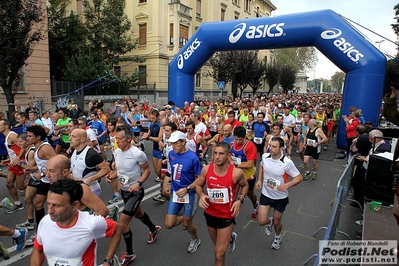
{"points": [[258, 73], [287, 77], [221, 67], [67, 36], [337, 80], [302, 58], [20, 31], [101, 38], [245, 63], [395, 26], [272, 74]]}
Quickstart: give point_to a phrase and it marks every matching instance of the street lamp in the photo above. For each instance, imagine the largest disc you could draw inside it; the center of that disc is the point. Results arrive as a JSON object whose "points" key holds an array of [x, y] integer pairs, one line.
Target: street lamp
{"points": [[379, 43]]}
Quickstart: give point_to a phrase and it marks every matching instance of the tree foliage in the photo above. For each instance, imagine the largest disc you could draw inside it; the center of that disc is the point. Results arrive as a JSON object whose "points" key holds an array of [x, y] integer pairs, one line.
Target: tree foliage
{"points": [[87, 46], [221, 67], [301, 58], [395, 26], [245, 64], [20, 31], [256, 79], [272, 75], [287, 77], [67, 36], [241, 68], [337, 80]]}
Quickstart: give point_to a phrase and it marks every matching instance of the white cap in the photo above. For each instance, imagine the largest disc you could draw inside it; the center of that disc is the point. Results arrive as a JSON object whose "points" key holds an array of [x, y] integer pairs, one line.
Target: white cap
{"points": [[177, 135]]}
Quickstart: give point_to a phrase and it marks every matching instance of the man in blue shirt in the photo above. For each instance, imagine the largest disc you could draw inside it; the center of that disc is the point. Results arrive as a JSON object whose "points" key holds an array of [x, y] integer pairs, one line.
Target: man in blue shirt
{"points": [[97, 125]]}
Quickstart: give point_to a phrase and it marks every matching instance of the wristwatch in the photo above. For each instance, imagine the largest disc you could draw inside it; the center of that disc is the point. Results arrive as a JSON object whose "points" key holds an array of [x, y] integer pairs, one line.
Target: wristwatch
{"points": [[241, 198], [140, 183], [188, 188], [111, 261]]}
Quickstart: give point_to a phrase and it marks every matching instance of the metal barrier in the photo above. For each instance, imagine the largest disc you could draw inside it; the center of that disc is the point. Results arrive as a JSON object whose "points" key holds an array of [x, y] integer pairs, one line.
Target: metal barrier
{"points": [[341, 195]]}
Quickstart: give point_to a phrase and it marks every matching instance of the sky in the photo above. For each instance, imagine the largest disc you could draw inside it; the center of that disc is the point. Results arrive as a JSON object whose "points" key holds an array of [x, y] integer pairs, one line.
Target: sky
{"points": [[374, 15]]}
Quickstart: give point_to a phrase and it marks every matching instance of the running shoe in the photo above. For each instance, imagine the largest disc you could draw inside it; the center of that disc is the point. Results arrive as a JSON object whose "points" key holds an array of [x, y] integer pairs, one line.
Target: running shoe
{"points": [[159, 198], [6, 203], [15, 208], [325, 148], [314, 175], [276, 243], [193, 245], [27, 225], [255, 210], [306, 176], [114, 213], [152, 236], [4, 252], [127, 258], [269, 227], [31, 240], [21, 240], [232, 244], [114, 199]]}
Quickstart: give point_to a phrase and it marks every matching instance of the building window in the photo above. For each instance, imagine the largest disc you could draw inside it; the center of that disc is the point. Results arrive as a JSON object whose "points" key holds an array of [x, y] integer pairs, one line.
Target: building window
{"points": [[143, 75], [171, 33], [198, 11], [183, 35], [198, 80], [246, 5], [143, 34], [142, 1], [257, 12], [235, 2], [222, 13], [117, 71], [79, 7]]}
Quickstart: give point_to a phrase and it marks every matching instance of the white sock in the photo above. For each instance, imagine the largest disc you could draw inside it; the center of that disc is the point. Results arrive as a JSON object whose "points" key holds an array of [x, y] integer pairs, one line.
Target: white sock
{"points": [[16, 234]]}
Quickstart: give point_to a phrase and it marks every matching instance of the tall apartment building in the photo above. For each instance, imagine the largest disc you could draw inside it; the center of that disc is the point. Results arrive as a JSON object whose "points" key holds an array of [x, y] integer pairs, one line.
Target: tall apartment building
{"points": [[164, 26]]}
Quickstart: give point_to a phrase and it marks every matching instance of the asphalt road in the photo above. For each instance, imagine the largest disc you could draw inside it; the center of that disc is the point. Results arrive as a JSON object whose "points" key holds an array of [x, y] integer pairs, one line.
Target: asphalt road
{"points": [[308, 210]]}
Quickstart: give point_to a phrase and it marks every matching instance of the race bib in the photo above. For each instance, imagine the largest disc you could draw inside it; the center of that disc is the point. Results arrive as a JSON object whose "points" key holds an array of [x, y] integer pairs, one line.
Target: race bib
{"points": [[310, 142], [236, 160], [123, 179], [54, 261], [272, 183], [218, 195], [177, 199], [213, 128], [258, 140]]}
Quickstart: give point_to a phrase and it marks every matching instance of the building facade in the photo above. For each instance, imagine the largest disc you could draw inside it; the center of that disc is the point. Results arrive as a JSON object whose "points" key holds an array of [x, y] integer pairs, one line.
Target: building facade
{"points": [[163, 27]]}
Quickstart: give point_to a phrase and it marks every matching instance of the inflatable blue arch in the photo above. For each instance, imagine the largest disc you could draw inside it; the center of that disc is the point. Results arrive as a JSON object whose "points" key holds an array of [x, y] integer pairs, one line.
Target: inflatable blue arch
{"points": [[363, 63]]}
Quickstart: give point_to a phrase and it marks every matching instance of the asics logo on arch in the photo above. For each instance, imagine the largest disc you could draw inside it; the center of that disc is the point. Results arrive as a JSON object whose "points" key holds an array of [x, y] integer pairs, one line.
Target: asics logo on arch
{"points": [[342, 44], [187, 53], [256, 32]]}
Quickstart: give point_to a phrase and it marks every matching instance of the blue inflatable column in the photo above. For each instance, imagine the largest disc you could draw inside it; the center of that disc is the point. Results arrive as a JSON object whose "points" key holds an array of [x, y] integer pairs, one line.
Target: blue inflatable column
{"points": [[185, 91], [364, 91]]}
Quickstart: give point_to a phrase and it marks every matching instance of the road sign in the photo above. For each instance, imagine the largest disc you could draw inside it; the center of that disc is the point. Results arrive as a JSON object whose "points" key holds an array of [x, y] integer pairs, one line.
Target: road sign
{"points": [[221, 85]]}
